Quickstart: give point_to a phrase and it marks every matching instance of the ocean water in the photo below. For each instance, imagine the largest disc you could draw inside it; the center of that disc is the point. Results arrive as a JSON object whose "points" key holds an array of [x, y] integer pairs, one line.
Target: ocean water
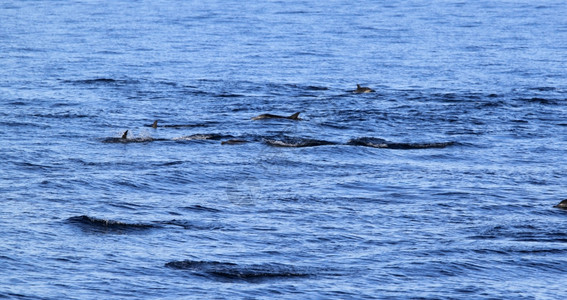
{"points": [[438, 185]]}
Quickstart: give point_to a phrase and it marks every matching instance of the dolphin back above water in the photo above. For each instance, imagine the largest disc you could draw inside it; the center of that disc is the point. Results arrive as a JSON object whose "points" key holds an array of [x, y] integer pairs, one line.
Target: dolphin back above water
{"points": [[295, 116], [562, 204], [234, 142], [363, 89], [125, 135]]}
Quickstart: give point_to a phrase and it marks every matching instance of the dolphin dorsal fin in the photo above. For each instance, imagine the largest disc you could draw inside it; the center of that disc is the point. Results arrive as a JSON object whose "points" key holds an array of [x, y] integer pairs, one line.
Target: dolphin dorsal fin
{"points": [[295, 116], [357, 86], [125, 134], [154, 125]]}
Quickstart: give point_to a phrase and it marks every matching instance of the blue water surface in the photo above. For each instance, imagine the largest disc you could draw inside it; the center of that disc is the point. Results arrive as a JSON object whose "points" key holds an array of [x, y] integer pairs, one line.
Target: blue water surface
{"points": [[438, 185]]}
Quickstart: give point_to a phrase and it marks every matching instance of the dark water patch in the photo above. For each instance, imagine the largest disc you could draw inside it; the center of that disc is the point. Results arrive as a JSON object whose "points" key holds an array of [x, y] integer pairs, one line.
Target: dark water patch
{"points": [[203, 137], [202, 208], [381, 143], [4, 257], [228, 95], [543, 101], [64, 104], [23, 124], [169, 163], [130, 183], [543, 89], [169, 83], [101, 81], [34, 166], [126, 205], [519, 121], [62, 116], [92, 224], [446, 97], [18, 103], [521, 233], [5, 295], [232, 271], [541, 239], [538, 251], [490, 104], [292, 12], [199, 93], [296, 142]]}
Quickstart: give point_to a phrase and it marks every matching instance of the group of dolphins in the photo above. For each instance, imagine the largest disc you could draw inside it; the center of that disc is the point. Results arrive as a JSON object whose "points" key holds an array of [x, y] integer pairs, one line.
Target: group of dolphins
{"points": [[295, 116]]}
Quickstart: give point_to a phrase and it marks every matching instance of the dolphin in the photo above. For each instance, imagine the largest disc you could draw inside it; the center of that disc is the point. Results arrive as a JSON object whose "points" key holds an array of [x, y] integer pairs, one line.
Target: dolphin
{"points": [[562, 204], [154, 124], [233, 142], [295, 116], [125, 135], [363, 89]]}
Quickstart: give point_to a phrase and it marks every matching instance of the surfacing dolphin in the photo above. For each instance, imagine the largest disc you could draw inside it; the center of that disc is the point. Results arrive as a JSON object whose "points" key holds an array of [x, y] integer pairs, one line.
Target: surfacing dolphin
{"points": [[363, 89], [125, 135], [562, 204], [234, 142], [295, 116]]}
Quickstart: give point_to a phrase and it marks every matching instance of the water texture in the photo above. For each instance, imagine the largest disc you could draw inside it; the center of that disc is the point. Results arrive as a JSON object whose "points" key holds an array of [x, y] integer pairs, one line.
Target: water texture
{"points": [[438, 185]]}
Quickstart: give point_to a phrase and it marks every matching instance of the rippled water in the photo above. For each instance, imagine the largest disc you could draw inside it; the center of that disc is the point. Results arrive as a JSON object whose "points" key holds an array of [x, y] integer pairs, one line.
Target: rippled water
{"points": [[440, 184]]}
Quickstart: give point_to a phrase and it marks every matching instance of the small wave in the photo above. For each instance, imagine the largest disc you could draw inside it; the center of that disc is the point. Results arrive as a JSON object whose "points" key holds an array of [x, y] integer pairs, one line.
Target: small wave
{"points": [[202, 208], [542, 101], [227, 270], [296, 142], [22, 124], [99, 81], [543, 89], [228, 95], [34, 166], [96, 224], [521, 232], [179, 125], [62, 116], [169, 163], [381, 143], [115, 140], [192, 225], [206, 136], [18, 103]]}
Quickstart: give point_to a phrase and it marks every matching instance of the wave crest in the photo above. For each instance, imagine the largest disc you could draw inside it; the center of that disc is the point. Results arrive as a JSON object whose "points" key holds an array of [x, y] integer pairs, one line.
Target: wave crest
{"points": [[382, 143], [227, 270]]}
